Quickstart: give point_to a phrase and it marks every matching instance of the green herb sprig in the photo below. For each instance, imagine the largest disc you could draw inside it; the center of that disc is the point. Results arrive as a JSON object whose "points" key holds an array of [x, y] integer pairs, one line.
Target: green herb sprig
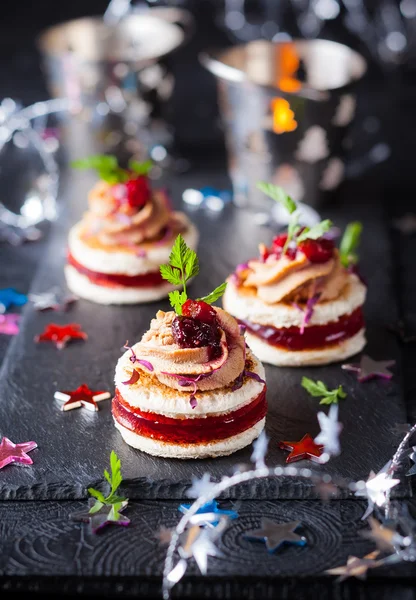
{"points": [[114, 480], [109, 170], [183, 265], [294, 231], [318, 389], [349, 244]]}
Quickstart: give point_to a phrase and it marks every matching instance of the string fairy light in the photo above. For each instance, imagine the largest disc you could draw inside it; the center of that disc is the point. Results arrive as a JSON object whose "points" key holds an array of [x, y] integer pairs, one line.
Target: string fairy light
{"points": [[199, 541], [21, 120]]}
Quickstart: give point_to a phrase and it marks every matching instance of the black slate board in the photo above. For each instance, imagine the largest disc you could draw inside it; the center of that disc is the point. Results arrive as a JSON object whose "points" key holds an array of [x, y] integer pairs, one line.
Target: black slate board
{"points": [[74, 447]]}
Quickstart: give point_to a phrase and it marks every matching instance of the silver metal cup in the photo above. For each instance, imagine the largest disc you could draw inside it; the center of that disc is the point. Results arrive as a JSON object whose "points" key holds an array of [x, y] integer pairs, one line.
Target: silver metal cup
{"points": [[98, 67], [286, 107]]}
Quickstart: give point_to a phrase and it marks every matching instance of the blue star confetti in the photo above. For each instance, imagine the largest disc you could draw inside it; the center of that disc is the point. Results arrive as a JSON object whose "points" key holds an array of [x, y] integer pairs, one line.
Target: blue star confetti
{"points": [[275, 535], [10, 297], [210, 507], [209, 197]]}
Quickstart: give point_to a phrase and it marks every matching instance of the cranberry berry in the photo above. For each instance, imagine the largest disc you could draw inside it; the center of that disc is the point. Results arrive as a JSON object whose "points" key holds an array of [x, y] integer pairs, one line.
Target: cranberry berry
{"points": [[192, 333], [279, 243], [197, 328], [138, 192], [197, 309], [318, 251]]}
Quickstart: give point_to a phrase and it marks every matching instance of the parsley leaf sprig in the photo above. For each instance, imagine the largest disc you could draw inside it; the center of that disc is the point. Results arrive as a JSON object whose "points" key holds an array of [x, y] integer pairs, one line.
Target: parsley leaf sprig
{"points": [[349, 244], [318, 389], [214, 295], [294, 231], [183, 265], [109, 170], [114, 480]]}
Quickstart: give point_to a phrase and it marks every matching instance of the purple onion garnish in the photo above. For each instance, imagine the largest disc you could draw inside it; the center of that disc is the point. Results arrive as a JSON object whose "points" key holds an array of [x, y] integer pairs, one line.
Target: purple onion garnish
{"points": [[307, 311], [135, 376], [238, 382], [254, 376], [186, 381], [145, 363], [241, 267], [140, 361]]}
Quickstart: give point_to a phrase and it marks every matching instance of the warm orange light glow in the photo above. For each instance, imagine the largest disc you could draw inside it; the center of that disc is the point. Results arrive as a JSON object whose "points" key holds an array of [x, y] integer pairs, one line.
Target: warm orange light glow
{"points": [[289, 84], [283, 116], [287, 64]]}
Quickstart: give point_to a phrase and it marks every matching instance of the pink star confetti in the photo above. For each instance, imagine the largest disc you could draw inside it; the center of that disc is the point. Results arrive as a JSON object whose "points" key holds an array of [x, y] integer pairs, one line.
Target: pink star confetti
{"points": [[368, 368], [60, 335], [9, 323], [82, 396], [15, 453]]}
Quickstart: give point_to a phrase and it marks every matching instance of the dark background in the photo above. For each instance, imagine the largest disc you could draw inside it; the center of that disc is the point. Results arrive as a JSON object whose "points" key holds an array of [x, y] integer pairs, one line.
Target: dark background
{"points": [[194, 109]]}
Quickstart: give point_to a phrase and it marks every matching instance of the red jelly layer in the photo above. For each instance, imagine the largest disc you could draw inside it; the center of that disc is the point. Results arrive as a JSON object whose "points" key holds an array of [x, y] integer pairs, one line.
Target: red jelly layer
{"points": [[313, 337], [189, 431], [107, 279]]}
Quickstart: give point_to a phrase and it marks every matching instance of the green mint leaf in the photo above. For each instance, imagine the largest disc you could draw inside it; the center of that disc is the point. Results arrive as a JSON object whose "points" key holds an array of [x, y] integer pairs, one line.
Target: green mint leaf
{"points": [[314, 232], [141, 168], [183, 264], [116, 477], [349, 243], [115, 500], [107, 476], [171, 274], [315, 388], [278, 193], [177, 299], [191, 264], [214, 295], [97, 494], [106, 166], [292, 229], [319, 389], [340, 392], [105, 162], [178, 253], [96, 507], [114, 513]]}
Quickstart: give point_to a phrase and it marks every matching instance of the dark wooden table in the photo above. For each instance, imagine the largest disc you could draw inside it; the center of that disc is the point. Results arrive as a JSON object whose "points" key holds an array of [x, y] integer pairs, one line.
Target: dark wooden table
{"points": [[42, 551]]}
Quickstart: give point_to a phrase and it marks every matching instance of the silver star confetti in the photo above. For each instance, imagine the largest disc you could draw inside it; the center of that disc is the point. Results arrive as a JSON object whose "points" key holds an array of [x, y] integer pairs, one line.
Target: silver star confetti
{"points": [[412, 456], [164, 535], [201, 487], [259, 450], [385, 538], [369, 368], [400, 429], [277, 534], [355, 567], [330, 430], [375, 488], [406, 224], [53, 299]]}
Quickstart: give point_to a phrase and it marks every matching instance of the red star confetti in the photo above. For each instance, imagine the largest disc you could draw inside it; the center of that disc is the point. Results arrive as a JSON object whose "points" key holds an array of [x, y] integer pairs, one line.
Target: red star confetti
{"points": [[60, 335], [304, 449], [369, 368], [15, 453], [82, 396]]}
